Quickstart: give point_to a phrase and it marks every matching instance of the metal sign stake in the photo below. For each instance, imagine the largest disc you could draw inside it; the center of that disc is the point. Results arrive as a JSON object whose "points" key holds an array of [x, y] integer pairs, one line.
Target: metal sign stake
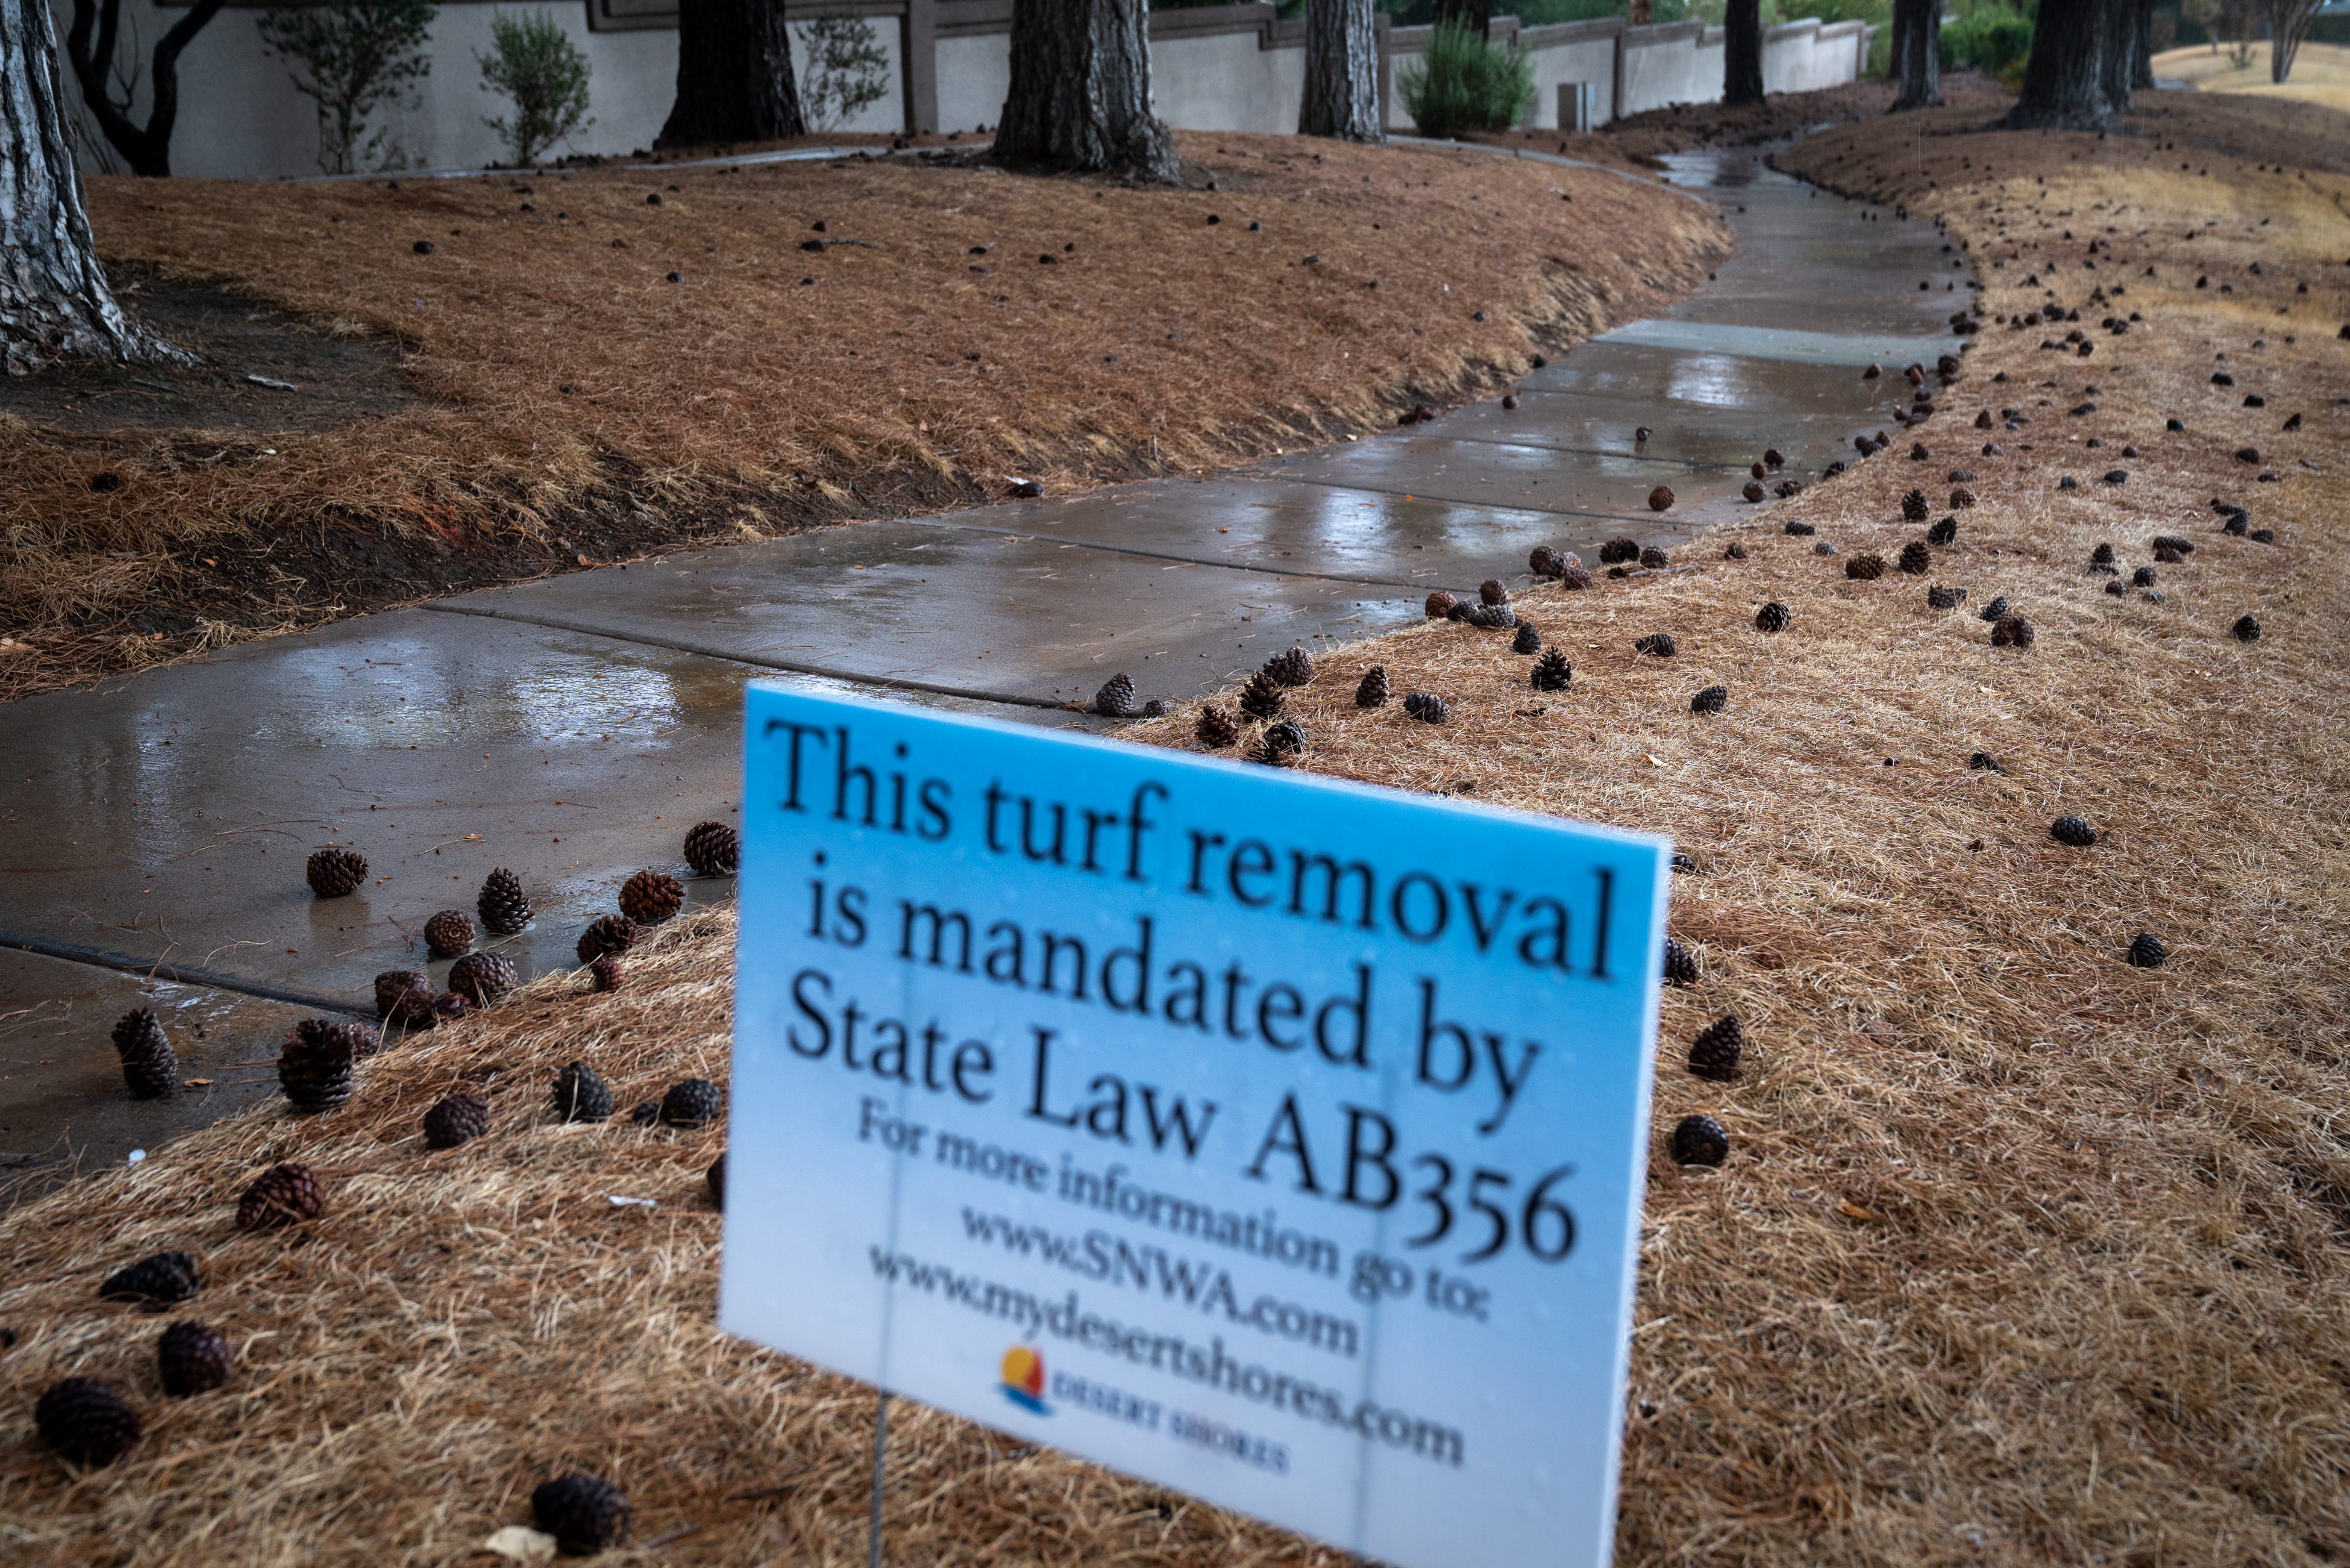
{"points": [[881, 1457]]}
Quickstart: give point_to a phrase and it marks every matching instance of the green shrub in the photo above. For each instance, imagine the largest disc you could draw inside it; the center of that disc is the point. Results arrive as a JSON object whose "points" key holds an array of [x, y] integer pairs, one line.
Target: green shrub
{"points": [[350, 60], [1988, 38], [538, 67], [1466, 83]]}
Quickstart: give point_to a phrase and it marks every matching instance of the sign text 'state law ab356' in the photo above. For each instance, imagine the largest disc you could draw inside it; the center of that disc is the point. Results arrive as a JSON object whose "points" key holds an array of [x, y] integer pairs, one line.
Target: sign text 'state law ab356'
{"points": [[1277, 1140]]}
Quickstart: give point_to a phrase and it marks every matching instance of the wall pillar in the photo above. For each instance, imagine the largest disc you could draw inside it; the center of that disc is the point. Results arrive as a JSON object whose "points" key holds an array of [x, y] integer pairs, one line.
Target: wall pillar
{"points": [[918, 61]]}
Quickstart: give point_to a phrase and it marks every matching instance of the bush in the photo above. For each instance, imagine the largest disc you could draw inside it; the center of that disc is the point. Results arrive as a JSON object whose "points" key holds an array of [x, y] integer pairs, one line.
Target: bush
{"points": [[1466, 83], [538, 67], [351, 61], [1988, 38], [846, 69]]}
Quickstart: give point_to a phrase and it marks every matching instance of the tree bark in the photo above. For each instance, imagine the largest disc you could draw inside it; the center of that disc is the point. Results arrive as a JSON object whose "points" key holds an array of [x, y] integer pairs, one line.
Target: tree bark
{"points": [[1476, 14], [1917, 59], [733, 75], [1080, 98], [2288, 26], [54, 299], [1342, 72], [2064, 80], [2126, 28], [2142, 72], [1900, 26], [147, 148], [1741, 52]]}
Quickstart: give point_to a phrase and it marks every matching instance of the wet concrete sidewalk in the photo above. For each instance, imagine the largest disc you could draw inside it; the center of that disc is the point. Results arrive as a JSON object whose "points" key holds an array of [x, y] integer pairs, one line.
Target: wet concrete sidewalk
{"points": [[573, 729]]}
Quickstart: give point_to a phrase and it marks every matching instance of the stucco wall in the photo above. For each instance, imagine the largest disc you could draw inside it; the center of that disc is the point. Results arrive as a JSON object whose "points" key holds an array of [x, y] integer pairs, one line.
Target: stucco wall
{"points": [[1232, 67]]}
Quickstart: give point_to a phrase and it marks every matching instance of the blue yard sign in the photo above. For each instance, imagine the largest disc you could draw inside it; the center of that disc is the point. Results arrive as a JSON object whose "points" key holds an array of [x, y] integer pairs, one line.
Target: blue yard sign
{"points": [[1277, 1139]]}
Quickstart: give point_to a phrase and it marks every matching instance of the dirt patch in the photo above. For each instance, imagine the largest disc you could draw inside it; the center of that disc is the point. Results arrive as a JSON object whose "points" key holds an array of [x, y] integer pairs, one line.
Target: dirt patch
{"points": [[1639, 141], [606, 362]]}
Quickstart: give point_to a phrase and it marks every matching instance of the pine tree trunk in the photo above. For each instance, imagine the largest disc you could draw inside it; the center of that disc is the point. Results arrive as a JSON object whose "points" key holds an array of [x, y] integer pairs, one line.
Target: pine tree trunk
{"points": [[2126, 29], [2063, 81], [733, 75], [2142, 74], [1741, 52], [54, 299], [1900, 40], [1080, 95], [1342, 72], [1918, 65]]}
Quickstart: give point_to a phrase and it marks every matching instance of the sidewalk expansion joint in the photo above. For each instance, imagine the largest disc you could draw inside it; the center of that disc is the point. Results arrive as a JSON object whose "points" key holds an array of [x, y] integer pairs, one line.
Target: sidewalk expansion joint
{"points": [[182, 974]]}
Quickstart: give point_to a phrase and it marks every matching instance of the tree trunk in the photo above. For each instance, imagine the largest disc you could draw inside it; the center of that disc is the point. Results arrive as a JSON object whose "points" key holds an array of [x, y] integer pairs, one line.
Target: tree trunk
{"points": [[53, 294], [2142, 73], [1918, 65], [1476, 14], [1741, 52], [733, 75], [147, 148], [2126, 28], [1900, 25], [2289, 23], [1342, 72], [2063, 81], [1080, 95]]}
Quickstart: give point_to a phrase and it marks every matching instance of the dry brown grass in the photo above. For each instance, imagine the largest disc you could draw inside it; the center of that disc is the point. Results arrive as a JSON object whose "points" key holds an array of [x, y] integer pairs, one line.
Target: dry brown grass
{"points": [[2021, 1255], [588, 406]]}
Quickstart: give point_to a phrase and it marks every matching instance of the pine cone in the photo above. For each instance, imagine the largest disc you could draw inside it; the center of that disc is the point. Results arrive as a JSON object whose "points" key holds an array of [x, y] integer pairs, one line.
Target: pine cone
{"points": [[482, 978], [1658, 644], [1939, 598], [449, 1007], [1681, 964], [87, 1422], [1916, 559], [1216, 728], [585, 1513], [449, 933], [158, 1281], [716, 1177], [403, 997], [580, 1095], [2173, 543], [2102, 556], [1617, 550], [1864, 568], [1734, 552], [1773, 616], [1945, 532], [650, 895], [1700, 1141], [1426, 707], [1983, 761], [1543, 562], [606, 973], [694, 1103], [334, 873], [1654, 559], [1797, 528], [1492, 618], [1493, 591], [460, 1119], [2167, 556], [1773, 458], [314, 1066], [1372, 692], [1574, 579], [1552, 672], [2143, 577], [2072, 831], [1914, 506], [1295, 668], [1961, 498], [1713, 700], [149, 1069], [1439, 605], [1754, 491], [1660, 499], [712, 850], [1996, 610], [1116, 698], [645, 1114], [1282, 746], [193, 1359], [282, 1195], [1261, 698], [2011, 631], [1528, 640], [2247, 630], [1715, 1053], [2147, 951], [504, 907]]}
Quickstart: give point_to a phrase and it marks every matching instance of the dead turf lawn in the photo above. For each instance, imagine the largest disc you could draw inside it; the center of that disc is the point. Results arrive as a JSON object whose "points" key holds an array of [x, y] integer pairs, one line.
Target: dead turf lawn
{"points": [[611, 362], [2021, 1254]]}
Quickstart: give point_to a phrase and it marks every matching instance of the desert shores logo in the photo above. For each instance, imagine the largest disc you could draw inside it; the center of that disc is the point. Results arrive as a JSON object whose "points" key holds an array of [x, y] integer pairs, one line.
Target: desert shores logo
{"points": [[1024, 1380]]}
